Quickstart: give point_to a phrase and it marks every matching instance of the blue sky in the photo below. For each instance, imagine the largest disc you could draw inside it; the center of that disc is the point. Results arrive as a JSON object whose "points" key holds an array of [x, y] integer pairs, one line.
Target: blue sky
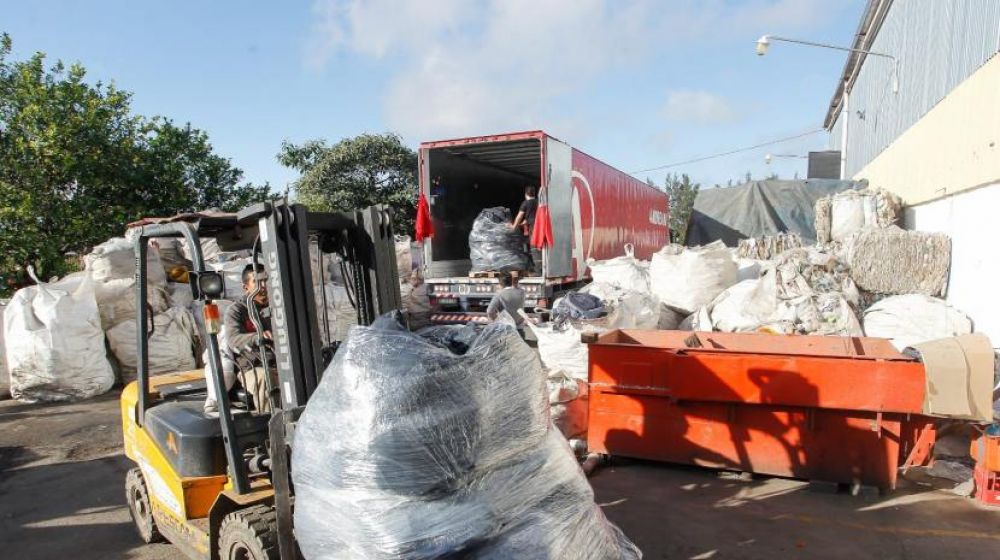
{"points": [[636, 83]]}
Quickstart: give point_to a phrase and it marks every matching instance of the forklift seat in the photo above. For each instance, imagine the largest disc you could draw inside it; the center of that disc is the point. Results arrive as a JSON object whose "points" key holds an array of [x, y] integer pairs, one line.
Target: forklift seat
{"points": [[190, 440]]}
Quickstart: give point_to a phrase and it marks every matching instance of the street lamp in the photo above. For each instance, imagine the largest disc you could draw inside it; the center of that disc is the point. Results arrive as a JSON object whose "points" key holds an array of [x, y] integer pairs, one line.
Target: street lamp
{"points": [[764, 43], [769, 157]]}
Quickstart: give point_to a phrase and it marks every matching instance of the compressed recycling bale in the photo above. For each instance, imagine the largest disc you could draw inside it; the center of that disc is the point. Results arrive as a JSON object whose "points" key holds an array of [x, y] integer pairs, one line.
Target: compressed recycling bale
{"points": [[894, 261], [443, 449]]}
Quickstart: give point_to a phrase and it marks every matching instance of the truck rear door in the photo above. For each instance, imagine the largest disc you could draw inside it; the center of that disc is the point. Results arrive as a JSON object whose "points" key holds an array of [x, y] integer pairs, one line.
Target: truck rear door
{"points": [[558, 259]]}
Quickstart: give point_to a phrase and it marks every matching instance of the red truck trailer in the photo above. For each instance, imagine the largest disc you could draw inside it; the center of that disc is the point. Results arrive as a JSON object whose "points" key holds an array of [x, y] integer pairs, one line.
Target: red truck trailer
{"points": [[595, 210]]}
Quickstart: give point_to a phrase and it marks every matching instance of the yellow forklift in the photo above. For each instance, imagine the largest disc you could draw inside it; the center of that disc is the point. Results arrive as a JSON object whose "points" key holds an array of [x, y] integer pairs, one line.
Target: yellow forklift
{"points": [[219, 486]]}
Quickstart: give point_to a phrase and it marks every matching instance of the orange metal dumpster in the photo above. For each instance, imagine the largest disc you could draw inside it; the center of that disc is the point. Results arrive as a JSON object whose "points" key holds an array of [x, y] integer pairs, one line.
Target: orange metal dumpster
{"points": [[833, 409]]}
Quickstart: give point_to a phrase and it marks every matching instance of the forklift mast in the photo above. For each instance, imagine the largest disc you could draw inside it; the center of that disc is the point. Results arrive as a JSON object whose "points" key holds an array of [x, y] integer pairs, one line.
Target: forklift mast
{"points": [[283, 234]]}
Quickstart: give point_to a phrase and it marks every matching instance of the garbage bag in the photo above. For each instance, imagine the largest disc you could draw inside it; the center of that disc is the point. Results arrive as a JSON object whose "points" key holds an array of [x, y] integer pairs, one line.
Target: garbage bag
{"points": [[626, 271], [171, 346], [54, 342], [688, 278], [440, 454], [494, 245], [578, 305]]}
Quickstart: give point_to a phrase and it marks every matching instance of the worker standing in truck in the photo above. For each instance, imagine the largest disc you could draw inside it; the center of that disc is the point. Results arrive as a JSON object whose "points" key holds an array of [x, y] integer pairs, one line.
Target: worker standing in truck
{"points": [[525, 220]]}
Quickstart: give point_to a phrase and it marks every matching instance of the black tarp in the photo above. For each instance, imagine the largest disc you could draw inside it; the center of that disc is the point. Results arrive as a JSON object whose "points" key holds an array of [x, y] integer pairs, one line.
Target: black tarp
{"points": [[759, 208]]}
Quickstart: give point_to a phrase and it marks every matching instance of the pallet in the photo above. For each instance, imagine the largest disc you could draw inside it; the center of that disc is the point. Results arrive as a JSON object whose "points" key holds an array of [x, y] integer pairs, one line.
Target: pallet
{"points": [[516, 274]]}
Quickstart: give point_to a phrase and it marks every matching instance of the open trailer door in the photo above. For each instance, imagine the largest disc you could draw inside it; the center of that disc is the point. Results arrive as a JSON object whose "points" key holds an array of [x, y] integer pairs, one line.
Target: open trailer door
{"points": [[558, 259]]}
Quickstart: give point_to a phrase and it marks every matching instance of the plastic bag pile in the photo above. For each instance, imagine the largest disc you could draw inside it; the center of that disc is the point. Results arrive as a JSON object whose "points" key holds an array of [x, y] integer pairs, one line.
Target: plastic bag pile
{"points": [[494, 245], [440, 446]]}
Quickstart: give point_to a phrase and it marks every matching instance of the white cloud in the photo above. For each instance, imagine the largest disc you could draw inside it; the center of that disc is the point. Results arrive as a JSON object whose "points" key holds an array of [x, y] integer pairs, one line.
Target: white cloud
{"points": [[465, 67], [699, 107]]}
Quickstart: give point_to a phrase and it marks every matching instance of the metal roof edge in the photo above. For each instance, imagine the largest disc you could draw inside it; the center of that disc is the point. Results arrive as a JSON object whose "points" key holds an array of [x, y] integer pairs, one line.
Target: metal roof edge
{"points": [[868, 28]]}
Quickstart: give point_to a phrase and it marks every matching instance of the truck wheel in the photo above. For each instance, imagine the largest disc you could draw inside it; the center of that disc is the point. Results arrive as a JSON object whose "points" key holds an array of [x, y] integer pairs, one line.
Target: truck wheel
{"points": [[249, 534], [139, 507]]}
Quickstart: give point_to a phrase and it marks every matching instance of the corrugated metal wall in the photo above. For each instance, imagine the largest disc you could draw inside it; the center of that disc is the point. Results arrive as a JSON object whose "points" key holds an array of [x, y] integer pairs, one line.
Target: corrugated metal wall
{"points": [[938, 43]]}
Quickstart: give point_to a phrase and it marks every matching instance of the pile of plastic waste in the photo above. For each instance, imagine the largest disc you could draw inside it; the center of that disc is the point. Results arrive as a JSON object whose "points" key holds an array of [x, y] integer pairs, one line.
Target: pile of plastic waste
{"points": [[444, 449], [494, 245]]}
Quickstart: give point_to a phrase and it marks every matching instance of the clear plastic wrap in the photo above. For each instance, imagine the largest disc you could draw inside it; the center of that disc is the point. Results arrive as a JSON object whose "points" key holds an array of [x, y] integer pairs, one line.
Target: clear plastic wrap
{"points": [[494, 245], [412, 450], [578, 305]]}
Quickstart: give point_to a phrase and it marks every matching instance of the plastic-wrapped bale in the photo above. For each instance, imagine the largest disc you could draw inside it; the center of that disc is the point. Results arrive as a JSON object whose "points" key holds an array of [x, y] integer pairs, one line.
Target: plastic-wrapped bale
{"points": [[440, 454], [54, 342], [171, 346], [625, 272], [822, 221], [494, 245], [896, 261], [686, 279], [914, 318]]}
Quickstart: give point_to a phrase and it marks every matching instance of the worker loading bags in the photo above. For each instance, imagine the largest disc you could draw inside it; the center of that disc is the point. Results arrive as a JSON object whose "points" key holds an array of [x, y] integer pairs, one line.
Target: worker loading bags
{"points": [[444, 449], [494, 245]]}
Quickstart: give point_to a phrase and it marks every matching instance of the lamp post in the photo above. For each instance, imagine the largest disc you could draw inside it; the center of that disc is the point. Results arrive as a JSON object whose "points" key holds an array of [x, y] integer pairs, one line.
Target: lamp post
{"points": [[769, 157], [764, 43]]}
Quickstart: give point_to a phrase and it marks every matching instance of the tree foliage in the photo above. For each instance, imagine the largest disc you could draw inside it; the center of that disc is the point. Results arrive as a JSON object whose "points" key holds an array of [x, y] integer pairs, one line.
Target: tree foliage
{"points": [[355, 173], [682, 193], [76, 165]]}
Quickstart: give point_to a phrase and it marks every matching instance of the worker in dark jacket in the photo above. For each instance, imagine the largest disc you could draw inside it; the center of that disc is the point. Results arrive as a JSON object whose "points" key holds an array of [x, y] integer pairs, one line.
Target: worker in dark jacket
{"points": [[238, 340]]}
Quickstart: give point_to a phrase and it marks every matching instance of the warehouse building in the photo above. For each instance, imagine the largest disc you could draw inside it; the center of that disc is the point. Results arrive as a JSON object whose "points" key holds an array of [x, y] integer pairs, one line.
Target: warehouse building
{"points": [[924, 122]]}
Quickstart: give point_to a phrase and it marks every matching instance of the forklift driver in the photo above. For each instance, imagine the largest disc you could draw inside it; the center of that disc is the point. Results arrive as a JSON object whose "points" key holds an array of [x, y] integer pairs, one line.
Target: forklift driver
{"points": [[238, 341]]}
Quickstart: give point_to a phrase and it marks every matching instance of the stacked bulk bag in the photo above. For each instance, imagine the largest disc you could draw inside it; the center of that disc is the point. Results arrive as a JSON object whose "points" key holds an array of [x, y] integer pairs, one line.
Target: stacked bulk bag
{"points": [[111, 265], [688, 278], [54, 342], [626, 271], [841, 215], [171, 344]]}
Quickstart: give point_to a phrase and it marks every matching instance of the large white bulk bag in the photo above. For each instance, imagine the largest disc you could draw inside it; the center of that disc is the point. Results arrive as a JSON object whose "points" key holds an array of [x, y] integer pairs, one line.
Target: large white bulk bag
{"points": [[688, 278], [116, 300], [625, 271], [914, 318], [404, 261], [170, 346], [340, 315], [627, 308], [54, 342], [115, 259]]}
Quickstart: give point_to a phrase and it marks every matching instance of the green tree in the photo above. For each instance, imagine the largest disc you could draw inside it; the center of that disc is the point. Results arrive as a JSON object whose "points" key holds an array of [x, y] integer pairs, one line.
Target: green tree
{"points": [[76, 165], [682, 193], [355, 173]]}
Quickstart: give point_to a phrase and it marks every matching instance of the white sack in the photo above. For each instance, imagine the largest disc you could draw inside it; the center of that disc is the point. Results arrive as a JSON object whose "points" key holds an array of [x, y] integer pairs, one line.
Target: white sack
{"points": [[116, 300], [115, 260], [562, 349], [912, 319], [564, 388], [744, 307], [179, 295], [689, 278], [54, 343], [170, 346], [404, 262], [627, 308], [340, 314], [625, 272]]}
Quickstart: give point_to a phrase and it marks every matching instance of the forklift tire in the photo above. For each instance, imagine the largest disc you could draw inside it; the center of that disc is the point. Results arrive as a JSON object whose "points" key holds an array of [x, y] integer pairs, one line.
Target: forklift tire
{"points": [[139, 507], [249, 534]]}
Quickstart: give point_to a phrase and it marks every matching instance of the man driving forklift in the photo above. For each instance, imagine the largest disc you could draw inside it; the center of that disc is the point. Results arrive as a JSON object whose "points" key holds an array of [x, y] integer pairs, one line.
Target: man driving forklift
{"points": [[240, 341], [219, 486]]}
